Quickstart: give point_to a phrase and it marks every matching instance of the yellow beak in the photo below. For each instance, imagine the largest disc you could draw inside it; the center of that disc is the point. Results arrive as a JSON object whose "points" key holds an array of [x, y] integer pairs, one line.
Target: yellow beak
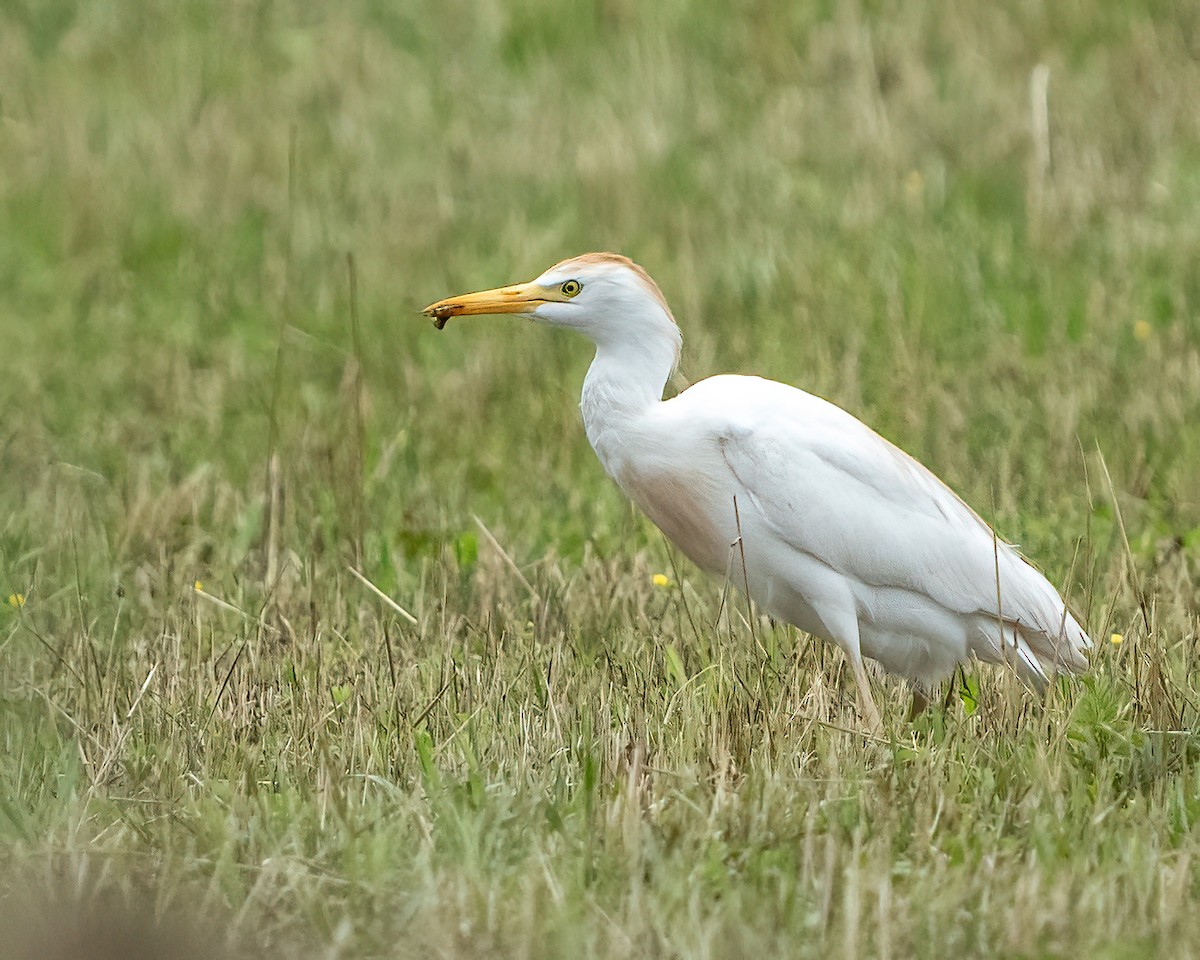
{"points": [[519, 298]]}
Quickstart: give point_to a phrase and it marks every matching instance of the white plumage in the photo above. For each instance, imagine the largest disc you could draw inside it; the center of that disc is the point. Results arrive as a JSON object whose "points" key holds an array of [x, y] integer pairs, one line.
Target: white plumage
{"points": [[843, 534]]}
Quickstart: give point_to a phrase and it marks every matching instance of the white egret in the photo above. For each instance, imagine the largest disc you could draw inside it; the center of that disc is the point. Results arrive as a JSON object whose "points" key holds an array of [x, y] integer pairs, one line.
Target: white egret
{"points": [[829, 526]]}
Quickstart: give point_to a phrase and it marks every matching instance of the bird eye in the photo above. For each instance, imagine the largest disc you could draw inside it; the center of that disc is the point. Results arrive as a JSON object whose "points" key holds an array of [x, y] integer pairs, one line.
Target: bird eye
{"points": [[571, 288]]}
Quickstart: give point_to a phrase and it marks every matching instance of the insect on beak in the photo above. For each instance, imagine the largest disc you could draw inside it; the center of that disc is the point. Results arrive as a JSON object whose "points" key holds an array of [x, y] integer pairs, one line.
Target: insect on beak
{"points": [[520, 298]]}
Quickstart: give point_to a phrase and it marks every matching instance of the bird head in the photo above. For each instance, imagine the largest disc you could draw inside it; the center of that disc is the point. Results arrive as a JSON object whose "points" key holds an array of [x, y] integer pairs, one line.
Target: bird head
{"points": [[602, 295]]}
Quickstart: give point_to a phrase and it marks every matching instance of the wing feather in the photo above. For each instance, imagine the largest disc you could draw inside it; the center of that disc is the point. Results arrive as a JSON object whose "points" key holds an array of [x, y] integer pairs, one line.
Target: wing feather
{"points": [[832, 488]]}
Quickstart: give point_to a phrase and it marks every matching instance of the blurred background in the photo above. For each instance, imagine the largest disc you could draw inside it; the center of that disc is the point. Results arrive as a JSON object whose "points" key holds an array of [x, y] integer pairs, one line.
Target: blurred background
{"points": [[890, 210], [972, 225]]}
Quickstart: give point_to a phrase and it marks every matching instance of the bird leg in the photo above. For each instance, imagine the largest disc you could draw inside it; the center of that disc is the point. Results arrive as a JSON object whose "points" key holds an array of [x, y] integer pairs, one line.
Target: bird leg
{"points": [[920, 703], [950, 691], [866, 703]]}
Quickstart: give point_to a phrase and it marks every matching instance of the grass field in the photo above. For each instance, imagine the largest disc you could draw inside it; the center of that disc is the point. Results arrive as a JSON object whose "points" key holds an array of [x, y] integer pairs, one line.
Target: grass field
{"points": [[976, 226]]}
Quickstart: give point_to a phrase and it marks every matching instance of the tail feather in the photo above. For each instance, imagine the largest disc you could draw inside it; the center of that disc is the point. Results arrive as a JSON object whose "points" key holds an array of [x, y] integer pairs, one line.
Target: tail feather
{"points": [[1063, 649], [1037, 625], [1036, 654]]}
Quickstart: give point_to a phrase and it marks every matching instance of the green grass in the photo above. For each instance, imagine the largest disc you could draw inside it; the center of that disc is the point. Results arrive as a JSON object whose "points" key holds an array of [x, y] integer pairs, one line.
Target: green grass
{"points": [[570, 761]]}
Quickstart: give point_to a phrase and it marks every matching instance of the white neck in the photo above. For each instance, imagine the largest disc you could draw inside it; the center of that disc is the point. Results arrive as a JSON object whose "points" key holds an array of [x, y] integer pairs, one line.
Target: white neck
{"points": [[626, 379]]}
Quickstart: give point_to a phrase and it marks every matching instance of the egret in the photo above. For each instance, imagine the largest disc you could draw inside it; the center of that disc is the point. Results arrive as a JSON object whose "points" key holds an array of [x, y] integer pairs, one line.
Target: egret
{"points": [[826, 524]]}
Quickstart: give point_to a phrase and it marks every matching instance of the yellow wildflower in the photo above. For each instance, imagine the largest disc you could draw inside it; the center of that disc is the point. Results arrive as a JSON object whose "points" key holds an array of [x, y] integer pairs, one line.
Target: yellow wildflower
{"points": [[16, 599], [1116, 638], [1142, 330], [661, 580]]}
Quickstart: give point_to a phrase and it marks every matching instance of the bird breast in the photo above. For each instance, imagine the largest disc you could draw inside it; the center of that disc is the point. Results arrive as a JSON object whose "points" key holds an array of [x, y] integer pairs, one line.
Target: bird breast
{"points": [[692, 506]]}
